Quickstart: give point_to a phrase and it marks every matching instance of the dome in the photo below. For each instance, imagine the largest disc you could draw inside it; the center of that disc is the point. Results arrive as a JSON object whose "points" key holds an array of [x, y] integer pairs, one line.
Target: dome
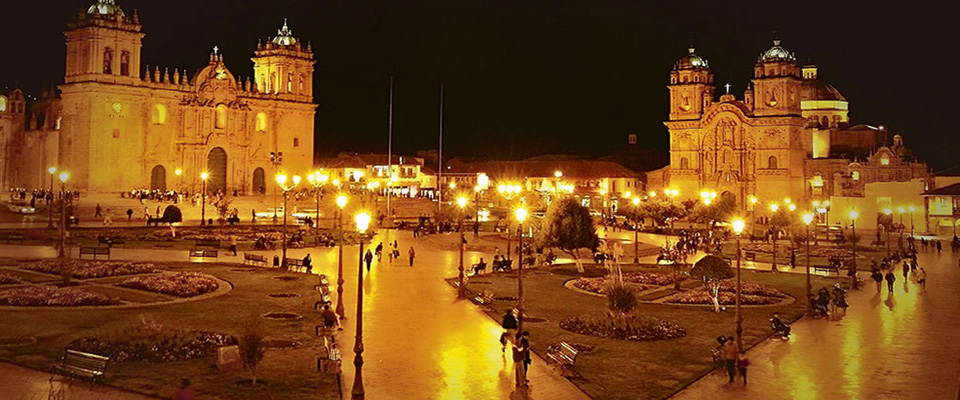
{"points": [[776, 53], [820, 90], [691, 60], [104, 7], [284, 36]]}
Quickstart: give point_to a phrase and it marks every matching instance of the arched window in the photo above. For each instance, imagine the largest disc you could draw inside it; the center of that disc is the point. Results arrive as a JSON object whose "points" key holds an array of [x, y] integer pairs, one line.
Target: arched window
{"points": [[855, 175], [261, 84], [772, 162], [221, 117], [303, 89], [159, 114], [885, 160], [261, 123], [273, 83], [108, 60], [684, 163], [289, 82], [125, 63], [825, 122]]}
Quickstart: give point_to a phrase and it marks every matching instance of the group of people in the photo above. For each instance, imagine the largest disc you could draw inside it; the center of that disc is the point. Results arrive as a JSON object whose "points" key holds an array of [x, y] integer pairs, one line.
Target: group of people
{"points": [[519, 343], [155, 195], [886, 272], [828, 301], [393, 251]]}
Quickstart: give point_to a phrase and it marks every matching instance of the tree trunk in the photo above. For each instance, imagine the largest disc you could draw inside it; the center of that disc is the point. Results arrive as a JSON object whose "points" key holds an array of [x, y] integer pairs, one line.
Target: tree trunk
{"points": [[575, 254], [714, 290]]}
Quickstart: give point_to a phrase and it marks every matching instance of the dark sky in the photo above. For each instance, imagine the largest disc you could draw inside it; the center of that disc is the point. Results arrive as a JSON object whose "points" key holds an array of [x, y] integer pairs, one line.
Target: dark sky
{"points": [[527, 77]]}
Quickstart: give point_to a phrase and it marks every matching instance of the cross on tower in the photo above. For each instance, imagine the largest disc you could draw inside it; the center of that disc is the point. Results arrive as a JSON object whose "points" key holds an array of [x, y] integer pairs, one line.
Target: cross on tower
{"points": [[728, 88], [216, 49]]}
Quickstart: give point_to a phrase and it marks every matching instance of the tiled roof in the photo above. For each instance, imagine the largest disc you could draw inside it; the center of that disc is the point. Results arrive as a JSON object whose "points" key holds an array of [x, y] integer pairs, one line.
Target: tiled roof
{"points": [[952, 190]]}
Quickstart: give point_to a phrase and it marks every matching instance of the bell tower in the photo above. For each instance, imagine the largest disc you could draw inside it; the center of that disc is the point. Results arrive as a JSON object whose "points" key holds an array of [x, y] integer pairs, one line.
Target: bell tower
{"points": [[103, 44], [691, 87], [777, 82], [284, 66]]}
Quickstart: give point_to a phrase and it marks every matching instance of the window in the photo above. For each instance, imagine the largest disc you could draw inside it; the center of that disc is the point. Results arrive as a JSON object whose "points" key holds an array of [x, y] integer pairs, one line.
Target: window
{"points": [[159, 114], [289, 82], [273, 83], [772, 162], [817, 180], [684, 163], [301, 89], [108, 60], [825, 122], [221, 122], [125, 63], [855, 175], [3, 104], [632, 138], [884, 160], [261, 124], [296, 142]]}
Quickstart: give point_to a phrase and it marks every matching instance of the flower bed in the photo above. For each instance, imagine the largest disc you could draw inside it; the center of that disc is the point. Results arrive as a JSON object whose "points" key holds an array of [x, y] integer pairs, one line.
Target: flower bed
{"points": [[752, 288], [700, 296], [7, 279], [155, 343], [626, 327], [180, 284], [91, 269], [47, 296], [639, 281]]}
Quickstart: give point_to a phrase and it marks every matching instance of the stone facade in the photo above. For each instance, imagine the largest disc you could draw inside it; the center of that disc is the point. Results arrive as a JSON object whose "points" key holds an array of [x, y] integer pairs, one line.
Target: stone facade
{"points": [[114, 128]]}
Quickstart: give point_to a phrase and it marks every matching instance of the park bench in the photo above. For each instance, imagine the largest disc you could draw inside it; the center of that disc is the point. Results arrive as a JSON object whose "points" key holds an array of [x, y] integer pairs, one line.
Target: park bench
{"points": [[77, 364], [750, 256], [254, 259], [12, 237], [211, 244], [484, 297], [203, 253], [293, 264], [477, 269], [827, 269], [564, 355], [73, 221], [94, 252]]}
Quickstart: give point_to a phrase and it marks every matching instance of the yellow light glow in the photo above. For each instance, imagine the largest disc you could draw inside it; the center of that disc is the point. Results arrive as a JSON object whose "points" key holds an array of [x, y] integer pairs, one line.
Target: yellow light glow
{"points": [[901, 210], [204, 175], [178, 172], [483, 181], [807, 218], [501, 189], [912, 209], [64, 176], [816, 203], [753, 200], [786, 200], [791, 206], [774, 207], [296, 180], [738, 225], [311, 178], [52, 170], [363, 221], [521, 214], [281, 179], [557, 174], [341, 201], [675, 192], [826, 203], [853, 214], [704, 194], [707, 201], [323, 178], [336, 182], [887, 211], [627, 195], [636, 201], [653, 193], [453, 185], [462, 201]]}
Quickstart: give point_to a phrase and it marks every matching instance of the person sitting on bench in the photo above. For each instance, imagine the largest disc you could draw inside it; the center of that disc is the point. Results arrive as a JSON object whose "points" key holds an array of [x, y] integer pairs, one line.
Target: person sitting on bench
{"points": [[481, 266]]}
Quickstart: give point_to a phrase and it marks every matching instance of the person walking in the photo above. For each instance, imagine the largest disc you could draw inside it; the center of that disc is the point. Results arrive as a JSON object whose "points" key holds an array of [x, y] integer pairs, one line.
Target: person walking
{"points": [[525, 342], [185, 392], [922, 279], [368, 258], [97, 214], [412, 255], [106, 218], [742, 363], [379, 251], [877, 277], [233, 244], [939, 246], [729, 353], [890, 279], [906, 270]]}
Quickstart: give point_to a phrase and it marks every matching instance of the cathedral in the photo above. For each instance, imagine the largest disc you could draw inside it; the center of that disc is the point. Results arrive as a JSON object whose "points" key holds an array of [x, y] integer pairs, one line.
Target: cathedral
{"points": [[788, 137], [115, 126]]}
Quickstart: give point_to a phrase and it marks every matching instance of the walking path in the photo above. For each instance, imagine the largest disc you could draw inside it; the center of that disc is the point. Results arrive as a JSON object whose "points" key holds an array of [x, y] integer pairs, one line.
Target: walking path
{"points": [[20, 383]]}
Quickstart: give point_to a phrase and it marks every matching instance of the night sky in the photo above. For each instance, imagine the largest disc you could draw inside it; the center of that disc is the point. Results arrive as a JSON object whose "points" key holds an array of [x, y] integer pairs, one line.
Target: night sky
{"points": [[533, 77]]}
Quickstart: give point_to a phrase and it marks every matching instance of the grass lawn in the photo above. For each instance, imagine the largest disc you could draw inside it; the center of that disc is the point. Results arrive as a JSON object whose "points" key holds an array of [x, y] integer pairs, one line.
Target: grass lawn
{"points": [[289, 373], [618, 369]]}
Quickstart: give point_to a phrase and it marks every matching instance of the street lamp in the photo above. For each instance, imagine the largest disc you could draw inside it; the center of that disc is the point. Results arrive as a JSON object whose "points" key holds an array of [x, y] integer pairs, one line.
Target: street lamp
{"points": [[363, 221], [853, 239], [912, 209], [462, 202], [775, 234], [282, 183], [636, 228], [807, 219], [203, 198], [317, 179], [738, 226], [521, 215], [509, 192], [63, 212], [179, 173], [341, 203], [52, 170], [889, 213]]}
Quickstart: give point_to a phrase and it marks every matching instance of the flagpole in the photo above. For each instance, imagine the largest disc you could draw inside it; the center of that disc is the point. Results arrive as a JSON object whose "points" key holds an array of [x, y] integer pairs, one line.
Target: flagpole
{"points": [[440, 157], [390, 152]]}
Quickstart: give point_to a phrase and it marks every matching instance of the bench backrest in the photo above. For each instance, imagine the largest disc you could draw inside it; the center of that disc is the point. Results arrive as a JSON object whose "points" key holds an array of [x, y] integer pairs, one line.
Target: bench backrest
{"points": [[87, 361], [208, 243], [294, 261], [254, 257], [567, 351]]}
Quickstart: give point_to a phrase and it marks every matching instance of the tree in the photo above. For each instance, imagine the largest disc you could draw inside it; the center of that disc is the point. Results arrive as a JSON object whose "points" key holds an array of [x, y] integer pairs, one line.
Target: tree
{"points": [[660, 212], [719, 210], [251, 348], [568, 227], [223, 209], [620, 298], [712, 270]]}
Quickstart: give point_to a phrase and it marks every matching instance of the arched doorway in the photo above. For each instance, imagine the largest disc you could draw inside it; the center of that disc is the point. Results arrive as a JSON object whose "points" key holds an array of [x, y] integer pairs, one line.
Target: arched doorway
{"points": [[158, 178], [259, 184], [217, 168]]}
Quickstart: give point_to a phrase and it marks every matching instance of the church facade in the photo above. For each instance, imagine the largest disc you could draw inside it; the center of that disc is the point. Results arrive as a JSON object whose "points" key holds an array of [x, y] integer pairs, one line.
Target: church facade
{"points": [[788, 137], [114, 125]]}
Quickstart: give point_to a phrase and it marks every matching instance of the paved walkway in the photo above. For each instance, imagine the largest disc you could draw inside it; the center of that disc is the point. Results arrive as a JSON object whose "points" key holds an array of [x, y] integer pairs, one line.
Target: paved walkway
{"points": [[887, 347], [20, 383]]}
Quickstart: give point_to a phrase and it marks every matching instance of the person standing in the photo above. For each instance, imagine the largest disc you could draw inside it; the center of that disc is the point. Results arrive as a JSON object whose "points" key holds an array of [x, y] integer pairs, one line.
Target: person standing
{"points": [[742, 363], [107, 220], [906, 270], [412, 255], [877, 277], [233, 244], [185, 392], [922, 278], [518, 369], [890, 279], [729, 353], [379, 251], [939, 246], [525, 342], [368, 258]]}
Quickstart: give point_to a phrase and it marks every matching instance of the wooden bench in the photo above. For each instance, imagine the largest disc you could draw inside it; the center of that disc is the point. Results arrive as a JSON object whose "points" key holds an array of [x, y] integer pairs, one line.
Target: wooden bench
{"points": [[826, 269], [12, 237], [750, 256], [293, 264], [203, 253], [565, 356], [77, 364], [211, 244], [484, 298], [254, 259], [94, 252]]}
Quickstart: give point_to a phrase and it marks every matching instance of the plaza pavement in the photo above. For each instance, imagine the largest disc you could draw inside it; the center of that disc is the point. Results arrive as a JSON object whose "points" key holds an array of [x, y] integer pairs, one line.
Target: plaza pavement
{"points": [[18, 383]]}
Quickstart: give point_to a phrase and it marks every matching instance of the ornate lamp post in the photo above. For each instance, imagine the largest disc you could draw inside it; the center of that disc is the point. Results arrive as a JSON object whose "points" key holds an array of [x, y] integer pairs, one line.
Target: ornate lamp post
{"points": [[888, 212], [483, 182], [51, 170], [853, 223], [341, 203], [63, 212], [912, 209], [807, 219], [282, 183], [636, 228], [774, 235], [521, 215], [317, 179], [462, 202], [203, 198], [509, 192], [276, 158], [363, 221], [738, 225]]}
